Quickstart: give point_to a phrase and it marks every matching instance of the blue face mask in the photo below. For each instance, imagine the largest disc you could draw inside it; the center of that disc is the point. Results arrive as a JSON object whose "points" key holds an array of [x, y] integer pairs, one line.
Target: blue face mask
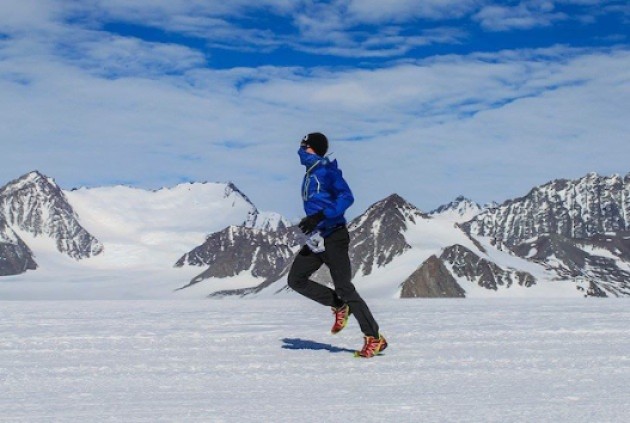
{"points": [[307, 159]]}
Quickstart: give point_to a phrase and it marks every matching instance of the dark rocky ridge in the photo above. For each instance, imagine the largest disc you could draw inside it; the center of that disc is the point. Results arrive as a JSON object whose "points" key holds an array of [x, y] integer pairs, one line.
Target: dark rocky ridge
{"points": [[431, 280], [15, 256], [236, 249], [434, 278], [595, 260], [465, 263], [578, 208]]}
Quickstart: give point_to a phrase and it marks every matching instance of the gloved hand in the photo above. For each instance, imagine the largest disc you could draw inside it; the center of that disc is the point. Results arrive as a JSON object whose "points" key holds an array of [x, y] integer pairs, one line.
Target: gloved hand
{"points": [[308, 224]]}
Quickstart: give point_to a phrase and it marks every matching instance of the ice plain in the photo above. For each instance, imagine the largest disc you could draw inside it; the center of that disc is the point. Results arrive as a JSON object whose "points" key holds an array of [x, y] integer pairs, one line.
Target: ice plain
{"points": [[273, 360]]}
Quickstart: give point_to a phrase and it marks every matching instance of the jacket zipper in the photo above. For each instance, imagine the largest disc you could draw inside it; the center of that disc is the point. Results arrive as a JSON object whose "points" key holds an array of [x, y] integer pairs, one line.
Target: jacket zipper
{"points": [[307, 181]]}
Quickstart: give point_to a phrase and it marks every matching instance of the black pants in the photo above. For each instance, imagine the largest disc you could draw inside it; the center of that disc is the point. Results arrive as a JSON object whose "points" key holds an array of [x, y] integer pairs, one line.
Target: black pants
{"points": [[336, 258]]}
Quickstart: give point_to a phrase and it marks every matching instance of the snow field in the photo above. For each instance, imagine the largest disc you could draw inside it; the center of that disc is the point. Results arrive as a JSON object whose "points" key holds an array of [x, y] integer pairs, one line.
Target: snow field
{"points": [[141, 228], [274, 360]]}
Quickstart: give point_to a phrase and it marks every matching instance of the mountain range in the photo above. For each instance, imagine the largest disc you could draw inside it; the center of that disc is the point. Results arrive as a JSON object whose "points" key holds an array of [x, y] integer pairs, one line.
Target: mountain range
{"points": [[563, 238]]}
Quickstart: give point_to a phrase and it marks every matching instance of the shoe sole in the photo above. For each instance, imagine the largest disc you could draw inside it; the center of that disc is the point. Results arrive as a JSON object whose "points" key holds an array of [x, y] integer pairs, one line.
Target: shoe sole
{"points": [[379, 352], [342, 328]]}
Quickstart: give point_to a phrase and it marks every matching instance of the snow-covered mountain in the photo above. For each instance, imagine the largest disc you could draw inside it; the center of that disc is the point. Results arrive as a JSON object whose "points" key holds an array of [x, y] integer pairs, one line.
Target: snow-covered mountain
{"points": [[376, 240], [396, 250], [459, 210], [378, 234], [35, 204], [602, 261], [575, 229], [142, 233], [578, 208], [564, 238]]}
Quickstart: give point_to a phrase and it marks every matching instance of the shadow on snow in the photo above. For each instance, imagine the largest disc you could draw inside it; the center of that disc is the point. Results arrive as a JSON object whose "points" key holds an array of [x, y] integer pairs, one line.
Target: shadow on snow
{"points": [[304, 344]]}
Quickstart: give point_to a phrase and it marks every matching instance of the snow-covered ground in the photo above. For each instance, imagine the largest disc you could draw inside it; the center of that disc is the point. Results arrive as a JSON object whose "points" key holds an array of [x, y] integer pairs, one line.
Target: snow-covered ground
{"points": [[274, 361]]}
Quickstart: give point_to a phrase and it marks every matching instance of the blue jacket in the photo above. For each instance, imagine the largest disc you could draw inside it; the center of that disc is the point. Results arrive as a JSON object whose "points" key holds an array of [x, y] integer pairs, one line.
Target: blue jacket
{"points": [[324, 189]]}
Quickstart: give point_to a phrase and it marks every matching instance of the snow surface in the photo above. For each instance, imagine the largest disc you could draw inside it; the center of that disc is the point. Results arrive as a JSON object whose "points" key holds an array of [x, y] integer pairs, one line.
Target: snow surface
{"points": [[275, 361]]}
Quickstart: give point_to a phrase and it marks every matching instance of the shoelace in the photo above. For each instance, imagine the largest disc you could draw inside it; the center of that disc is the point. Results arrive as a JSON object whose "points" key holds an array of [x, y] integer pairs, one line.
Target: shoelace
{"points": [[340, 315]]}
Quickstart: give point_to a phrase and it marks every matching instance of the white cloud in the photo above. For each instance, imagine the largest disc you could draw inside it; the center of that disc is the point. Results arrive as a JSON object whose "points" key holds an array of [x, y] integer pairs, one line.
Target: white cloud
{"points": [[487, 125], [385, 43], [27, 15], [320, 28], [89, 107], [115, 56], [376, 11], [527, 14], [345, 28]]}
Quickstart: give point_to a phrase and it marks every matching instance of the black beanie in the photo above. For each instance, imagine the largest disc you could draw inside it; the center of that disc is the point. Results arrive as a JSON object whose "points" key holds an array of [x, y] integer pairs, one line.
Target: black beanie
{"points": [[318, 142]]}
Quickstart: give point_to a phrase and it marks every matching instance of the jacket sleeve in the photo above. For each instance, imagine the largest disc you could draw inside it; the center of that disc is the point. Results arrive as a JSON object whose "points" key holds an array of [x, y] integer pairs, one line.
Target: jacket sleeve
{"points": [[343, 196]]}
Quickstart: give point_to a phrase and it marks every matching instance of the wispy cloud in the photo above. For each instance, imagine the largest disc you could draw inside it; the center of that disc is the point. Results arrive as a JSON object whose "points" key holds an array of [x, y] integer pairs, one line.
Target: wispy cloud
{"points": [[523, 115], [344, 28], [386, 43], [87, 105], [375, 11], [526, 14], [116, 56]]}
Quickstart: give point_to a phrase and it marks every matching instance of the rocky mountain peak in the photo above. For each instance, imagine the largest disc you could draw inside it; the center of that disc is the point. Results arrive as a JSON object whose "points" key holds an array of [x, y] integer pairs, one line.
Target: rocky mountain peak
{"points": [[378, 234], [393, 208], [35, 204], [393, 201], [33, 180], [459, 210], [231, 189]]}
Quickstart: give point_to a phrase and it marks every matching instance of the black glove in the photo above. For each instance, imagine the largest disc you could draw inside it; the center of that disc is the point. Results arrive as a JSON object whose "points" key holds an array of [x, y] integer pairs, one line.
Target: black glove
{"points": [[308, 224]]}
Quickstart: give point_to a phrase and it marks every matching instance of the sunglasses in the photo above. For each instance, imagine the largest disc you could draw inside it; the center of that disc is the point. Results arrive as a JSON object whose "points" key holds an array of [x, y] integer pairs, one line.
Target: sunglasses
{"points": [[304, 143]]}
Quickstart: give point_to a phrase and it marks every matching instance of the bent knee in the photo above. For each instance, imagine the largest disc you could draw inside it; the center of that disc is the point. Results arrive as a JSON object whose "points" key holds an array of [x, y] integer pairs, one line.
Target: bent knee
{"points": [[294, 280]]}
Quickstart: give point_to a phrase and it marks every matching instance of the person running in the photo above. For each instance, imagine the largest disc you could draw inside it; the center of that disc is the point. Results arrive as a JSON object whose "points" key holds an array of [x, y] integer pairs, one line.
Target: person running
{"points": [[326, 197]]}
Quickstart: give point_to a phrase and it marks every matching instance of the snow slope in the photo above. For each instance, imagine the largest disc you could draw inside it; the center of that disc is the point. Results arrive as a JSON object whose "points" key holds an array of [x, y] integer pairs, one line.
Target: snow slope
{"points": [[143, 233], [459, 210], [275, 361], [140, 227]]}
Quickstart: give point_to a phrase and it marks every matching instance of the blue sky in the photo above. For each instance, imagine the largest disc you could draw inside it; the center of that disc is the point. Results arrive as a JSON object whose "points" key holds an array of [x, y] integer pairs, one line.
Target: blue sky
{"points": [[430, 99]]}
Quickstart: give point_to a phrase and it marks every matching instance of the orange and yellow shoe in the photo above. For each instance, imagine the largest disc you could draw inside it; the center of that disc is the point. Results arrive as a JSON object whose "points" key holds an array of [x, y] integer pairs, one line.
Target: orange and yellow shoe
{"points": [[341, 318], [372, 346]]}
